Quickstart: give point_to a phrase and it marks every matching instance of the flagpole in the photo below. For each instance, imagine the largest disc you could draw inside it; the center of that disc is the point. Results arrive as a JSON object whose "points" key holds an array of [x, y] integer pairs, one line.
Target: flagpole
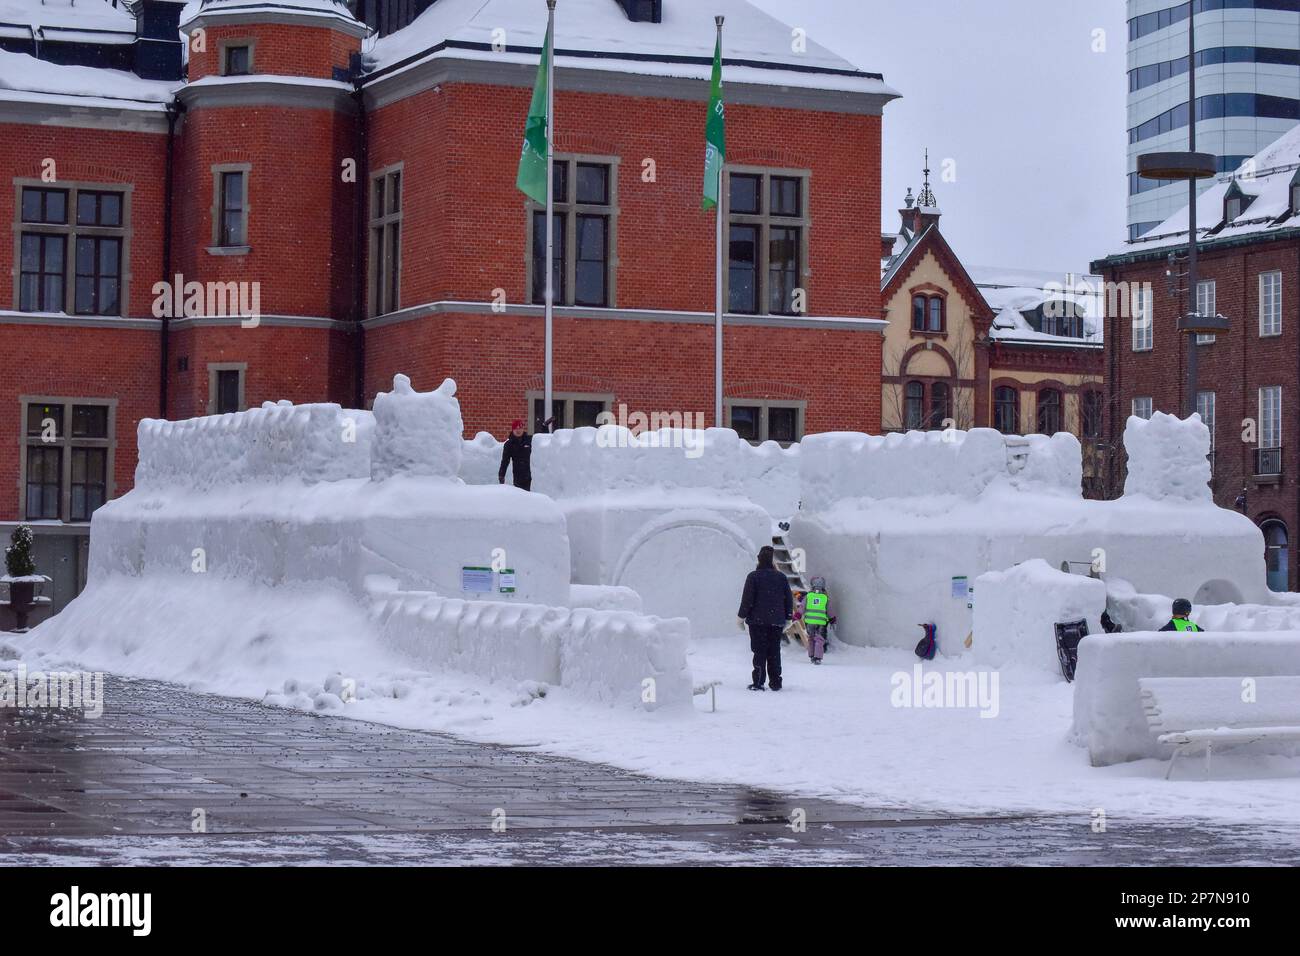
{"points": [[550, 207], [717, 291]]}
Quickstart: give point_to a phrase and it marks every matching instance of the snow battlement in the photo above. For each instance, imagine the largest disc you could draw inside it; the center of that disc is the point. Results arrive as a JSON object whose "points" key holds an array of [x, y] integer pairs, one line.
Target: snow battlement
{"points": [[836, 466], [1168, 457], [274, 443], [417, 434]]}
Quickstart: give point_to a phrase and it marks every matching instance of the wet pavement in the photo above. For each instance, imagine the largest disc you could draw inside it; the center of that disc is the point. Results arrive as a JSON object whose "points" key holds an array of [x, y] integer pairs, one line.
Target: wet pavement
{"points": [[273, 786]]}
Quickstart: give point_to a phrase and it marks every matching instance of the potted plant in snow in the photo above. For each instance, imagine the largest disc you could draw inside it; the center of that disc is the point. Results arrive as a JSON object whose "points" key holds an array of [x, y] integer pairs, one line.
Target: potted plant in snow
{"points": [[21, 574]]}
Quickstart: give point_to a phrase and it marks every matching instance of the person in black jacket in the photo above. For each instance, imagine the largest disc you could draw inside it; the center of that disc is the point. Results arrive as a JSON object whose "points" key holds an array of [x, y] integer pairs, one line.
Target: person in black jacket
{"points": [[517, 453], [766, 607]]}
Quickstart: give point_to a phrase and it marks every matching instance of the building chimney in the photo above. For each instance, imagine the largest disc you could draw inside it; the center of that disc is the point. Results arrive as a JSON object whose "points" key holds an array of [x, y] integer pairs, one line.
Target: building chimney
{"points": [[158, 46]]}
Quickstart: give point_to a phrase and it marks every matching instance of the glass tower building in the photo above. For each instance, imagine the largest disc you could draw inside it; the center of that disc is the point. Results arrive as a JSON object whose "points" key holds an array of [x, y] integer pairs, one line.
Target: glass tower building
{"points": [[1247, 88]]}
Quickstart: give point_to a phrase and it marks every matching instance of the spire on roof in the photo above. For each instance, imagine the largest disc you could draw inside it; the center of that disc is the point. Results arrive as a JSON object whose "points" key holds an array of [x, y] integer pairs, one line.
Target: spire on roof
{"points": [[926, 200]]}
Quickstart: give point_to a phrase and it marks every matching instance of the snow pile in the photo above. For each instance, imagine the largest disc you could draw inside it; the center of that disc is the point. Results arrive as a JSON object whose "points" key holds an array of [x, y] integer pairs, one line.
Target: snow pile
{"points": [[417, 434], [1015, 611], [1167, 457], [604, 598], [615, 657], [1108, 716], [274, 443], [1149, 612]]}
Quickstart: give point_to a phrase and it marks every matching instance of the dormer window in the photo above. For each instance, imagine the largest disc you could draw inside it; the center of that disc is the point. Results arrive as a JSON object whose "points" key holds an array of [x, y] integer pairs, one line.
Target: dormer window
{"points": [[237, 59], [928, 313], [1235, 203], [643, 11]]}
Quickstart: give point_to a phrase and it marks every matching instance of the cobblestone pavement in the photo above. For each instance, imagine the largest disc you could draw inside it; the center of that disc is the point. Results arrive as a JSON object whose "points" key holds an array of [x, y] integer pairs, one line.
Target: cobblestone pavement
{"points": [[276, 786]]}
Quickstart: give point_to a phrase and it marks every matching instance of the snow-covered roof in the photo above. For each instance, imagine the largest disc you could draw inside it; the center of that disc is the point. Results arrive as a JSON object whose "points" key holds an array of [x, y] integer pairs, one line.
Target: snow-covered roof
{"points": [[1013, 292], [24, 78], [84, 21], [217, 9], [1266, 178], [596, 34]]}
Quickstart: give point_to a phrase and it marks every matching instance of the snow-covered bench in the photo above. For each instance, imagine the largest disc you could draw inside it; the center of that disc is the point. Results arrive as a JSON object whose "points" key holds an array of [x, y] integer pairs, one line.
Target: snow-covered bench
{"points": [[1204, 712]]}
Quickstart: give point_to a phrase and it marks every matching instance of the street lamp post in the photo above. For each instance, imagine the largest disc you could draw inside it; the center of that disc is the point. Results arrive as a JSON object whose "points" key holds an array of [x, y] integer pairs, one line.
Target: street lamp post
{"points": [[1192, 167]]}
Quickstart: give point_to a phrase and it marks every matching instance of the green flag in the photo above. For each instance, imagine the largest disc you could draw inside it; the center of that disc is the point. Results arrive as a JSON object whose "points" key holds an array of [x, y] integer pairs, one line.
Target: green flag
{"points": [[532, 162], [715, 135]]}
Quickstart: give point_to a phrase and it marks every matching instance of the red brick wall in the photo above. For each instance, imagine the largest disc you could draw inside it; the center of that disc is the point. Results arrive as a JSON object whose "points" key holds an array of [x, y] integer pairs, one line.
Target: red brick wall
{"points": [[652, 367], [58, 361], [1234, 367], [469, 223], [280, 49]]}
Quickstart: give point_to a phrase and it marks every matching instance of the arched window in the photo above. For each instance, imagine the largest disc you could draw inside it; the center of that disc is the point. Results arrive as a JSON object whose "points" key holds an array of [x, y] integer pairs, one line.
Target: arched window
{"points": [[920, 309], [1090, 413], [914, 407], [936, 314], [1006, 410], [1276, 546], [940, 405], [1049, 411]]}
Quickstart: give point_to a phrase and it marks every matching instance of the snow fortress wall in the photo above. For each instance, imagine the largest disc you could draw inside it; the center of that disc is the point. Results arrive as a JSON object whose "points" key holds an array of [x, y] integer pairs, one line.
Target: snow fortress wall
{"points": [[901, 525], [615, 657], [677, 515], [324, 499], [1015, 611], [1108, 715]]}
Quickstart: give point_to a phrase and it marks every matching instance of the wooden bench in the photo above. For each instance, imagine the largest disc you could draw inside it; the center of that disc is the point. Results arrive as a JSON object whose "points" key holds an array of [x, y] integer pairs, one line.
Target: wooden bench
{"points": [[1207, 712]]}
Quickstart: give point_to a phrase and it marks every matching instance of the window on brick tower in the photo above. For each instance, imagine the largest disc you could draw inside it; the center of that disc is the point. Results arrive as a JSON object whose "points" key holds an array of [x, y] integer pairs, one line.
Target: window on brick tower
{"points": [[385, 241], [66, 465], [767, 221], [238, 60], [232, 224], [584, 192], [71, 248]]}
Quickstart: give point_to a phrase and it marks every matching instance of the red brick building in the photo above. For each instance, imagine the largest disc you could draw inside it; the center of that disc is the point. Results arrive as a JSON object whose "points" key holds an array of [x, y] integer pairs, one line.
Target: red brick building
{"points": [[1248, 379], [328, 192]]}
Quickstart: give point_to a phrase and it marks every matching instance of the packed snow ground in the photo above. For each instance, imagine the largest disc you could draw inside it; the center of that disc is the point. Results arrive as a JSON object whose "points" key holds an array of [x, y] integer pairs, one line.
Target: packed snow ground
{"points": [[831, 732]]}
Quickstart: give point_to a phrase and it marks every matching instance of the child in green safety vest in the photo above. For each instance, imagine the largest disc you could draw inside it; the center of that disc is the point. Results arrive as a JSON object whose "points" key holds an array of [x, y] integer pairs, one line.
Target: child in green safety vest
{"points": [[815, 612], [1180, 621]]}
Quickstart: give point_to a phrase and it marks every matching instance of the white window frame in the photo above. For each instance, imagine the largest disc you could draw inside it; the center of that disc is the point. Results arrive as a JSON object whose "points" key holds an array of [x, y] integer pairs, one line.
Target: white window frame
{"points": [[1270, 304], [1146, 402], [1270, 416], [1207, 304], [1143, 321]]}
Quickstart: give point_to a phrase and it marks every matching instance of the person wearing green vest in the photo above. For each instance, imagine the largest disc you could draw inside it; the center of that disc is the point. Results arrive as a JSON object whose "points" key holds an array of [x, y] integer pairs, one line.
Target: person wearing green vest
{"points": [[1180, 621], [815, 611]]}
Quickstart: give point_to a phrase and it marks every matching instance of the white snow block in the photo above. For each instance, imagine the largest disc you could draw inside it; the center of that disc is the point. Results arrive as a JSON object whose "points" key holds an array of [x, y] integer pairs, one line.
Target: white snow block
{"points": [[1168, 457], [1016, 610], [601, 597], [614, 657], [417, 434], [1108, 716]]}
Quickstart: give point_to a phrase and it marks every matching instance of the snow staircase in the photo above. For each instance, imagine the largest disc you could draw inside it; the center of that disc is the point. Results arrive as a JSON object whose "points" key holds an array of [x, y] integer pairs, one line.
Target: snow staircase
{"points": [[784, 561]]}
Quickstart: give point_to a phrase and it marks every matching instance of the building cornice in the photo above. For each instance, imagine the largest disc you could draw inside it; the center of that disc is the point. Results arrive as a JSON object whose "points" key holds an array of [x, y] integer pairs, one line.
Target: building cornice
{"points": [[113, 322], [95, 113], [1203, 246], [429, 309], [253, 12], [268, 90], [386, 88], [269, 321]]}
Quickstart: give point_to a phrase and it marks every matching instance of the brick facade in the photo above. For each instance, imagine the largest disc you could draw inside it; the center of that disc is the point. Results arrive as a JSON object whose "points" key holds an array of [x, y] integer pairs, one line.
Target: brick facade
{"points": [[1234, 367], [309, 144]]}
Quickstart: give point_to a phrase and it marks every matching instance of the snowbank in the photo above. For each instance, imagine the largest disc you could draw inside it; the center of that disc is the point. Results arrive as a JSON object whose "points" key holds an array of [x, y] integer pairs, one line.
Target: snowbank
{"points": [[417, 434], [1015, 612], [615, 657], [1108, 715]]}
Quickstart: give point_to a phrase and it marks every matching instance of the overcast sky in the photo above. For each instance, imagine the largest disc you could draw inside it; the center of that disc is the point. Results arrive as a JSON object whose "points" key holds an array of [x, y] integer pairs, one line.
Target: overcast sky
{"points": [[1011, 91]]}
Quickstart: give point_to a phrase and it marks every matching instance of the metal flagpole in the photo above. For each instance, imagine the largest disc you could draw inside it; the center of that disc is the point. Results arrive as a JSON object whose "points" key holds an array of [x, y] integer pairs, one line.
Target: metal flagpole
{"points": [[717, 292], [550, 205]]}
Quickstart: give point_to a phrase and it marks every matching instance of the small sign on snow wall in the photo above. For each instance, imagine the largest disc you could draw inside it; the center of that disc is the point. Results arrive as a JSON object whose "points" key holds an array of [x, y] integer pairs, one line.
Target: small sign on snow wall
{"points": [[476, 580], [960, 587], [506, 582]]}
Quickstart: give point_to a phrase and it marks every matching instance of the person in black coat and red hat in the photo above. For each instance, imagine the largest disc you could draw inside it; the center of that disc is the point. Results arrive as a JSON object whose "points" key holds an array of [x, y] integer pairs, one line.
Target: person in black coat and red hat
{"points": [[766, 607], [517, 454]]}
